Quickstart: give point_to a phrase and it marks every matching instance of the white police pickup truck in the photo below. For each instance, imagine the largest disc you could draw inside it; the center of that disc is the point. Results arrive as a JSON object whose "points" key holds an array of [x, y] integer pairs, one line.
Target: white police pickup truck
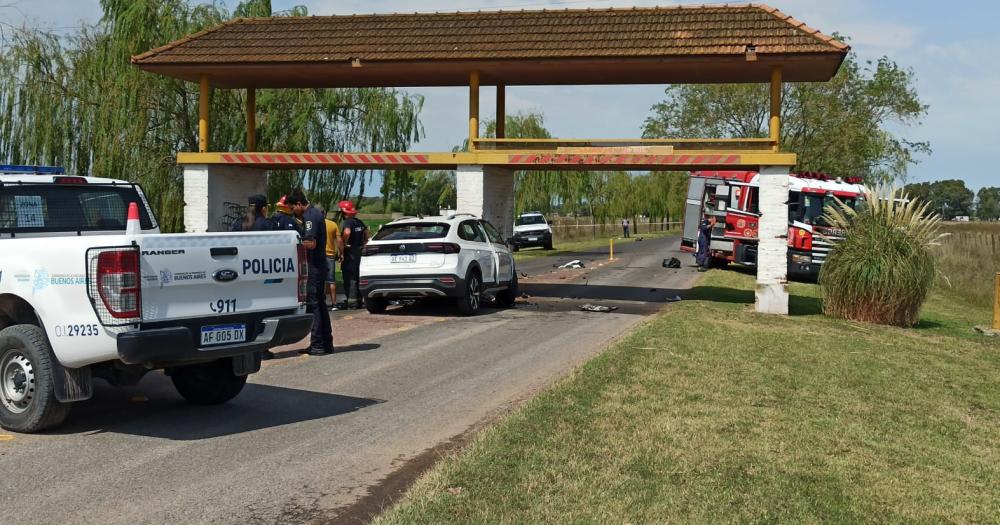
{"points": [[90, 288]]}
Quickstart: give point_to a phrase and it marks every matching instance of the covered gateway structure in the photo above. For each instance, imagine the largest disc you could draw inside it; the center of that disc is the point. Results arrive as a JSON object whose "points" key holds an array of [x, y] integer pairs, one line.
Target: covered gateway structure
{"points": [[746, 43]]}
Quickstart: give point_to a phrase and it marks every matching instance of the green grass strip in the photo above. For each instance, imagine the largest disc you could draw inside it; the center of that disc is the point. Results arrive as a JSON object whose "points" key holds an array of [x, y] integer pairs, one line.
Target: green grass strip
{"points": [[711, 413]]}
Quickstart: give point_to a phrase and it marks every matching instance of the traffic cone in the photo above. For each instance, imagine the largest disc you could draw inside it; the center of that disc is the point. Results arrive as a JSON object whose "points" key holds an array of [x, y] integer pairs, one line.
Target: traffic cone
{"points": [[132, 227]]}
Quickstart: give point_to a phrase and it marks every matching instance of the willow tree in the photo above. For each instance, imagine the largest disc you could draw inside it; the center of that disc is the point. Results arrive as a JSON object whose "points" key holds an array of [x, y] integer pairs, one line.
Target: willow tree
{"points": [[76, 101]]}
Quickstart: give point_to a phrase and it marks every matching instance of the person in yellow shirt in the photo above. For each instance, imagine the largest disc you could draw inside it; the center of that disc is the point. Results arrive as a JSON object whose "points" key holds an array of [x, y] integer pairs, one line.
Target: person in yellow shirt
{"points": [[332, 256]]}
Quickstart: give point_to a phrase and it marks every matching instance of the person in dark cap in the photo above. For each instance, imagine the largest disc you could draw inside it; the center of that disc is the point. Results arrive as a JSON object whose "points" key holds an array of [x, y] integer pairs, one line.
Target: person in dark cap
{"points": [[353, 237], [255, 219], [314, 240]]}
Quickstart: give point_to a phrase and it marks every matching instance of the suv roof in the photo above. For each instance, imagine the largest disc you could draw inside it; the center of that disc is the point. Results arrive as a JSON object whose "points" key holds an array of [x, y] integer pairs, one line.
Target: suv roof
{"points": [[436, 218]]}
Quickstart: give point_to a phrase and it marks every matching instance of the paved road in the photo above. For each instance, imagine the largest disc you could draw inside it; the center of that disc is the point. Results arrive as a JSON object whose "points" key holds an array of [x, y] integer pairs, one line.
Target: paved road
{"points": [[320, 439]]}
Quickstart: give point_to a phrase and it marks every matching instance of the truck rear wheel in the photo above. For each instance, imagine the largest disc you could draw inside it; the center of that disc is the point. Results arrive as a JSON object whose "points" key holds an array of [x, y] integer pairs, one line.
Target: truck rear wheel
{"points": [[376, 306], [27, 383], [208, 383]]}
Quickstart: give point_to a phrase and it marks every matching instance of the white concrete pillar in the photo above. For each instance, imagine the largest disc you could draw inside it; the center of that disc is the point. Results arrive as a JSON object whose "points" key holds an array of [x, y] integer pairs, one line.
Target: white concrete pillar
{"points": [[207, 189], [487, 192], [772, 252]]}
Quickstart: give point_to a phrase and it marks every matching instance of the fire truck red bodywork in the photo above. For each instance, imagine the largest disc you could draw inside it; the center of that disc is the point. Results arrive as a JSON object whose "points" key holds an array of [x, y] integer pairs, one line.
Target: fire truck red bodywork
{"points": [[731, 196]]}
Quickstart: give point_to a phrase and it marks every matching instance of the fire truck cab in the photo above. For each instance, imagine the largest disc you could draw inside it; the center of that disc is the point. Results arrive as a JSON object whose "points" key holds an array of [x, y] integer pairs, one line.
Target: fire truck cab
{"points": [[732, 198]]}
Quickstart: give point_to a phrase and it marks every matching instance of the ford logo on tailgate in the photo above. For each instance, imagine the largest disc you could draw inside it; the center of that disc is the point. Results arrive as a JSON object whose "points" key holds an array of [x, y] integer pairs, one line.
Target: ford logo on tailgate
{"points": [[224, 276]]}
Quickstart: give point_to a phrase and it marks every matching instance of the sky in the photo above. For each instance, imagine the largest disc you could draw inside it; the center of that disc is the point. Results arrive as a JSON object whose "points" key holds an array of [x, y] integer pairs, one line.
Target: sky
{"points": [[952, 47]]}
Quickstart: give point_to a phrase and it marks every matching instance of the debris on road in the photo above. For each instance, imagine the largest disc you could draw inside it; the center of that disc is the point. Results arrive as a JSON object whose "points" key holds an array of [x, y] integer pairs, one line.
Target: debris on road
{"points": [[523, 274], [576, 263], [672, 262], [597, 308], [674, 299], [638, 239], [989, 332]]}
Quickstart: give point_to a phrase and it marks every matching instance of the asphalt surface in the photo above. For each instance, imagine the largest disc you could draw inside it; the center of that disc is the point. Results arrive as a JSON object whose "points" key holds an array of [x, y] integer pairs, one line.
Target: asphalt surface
{"points": [[330, 439]]}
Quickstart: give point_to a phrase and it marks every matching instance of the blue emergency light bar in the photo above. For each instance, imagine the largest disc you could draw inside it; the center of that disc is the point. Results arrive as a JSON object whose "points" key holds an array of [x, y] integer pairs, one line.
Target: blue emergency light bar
{"points": [[36, 170]]}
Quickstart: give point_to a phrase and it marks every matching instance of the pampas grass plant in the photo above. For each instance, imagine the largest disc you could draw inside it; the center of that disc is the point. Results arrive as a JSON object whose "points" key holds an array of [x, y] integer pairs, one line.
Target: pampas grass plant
{"points": [[883, 269]]}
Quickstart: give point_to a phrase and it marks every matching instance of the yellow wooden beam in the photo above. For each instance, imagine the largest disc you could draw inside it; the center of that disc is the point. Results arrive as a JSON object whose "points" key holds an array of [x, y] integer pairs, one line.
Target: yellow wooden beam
{"points": [[251, 119], [203, 101], [775, 124], [501, 111], [746, 160], [473, 109], [623, 141]]}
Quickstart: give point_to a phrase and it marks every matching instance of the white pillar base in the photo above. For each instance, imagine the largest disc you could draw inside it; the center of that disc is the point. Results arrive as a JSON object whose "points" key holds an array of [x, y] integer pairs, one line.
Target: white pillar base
{"points": [[487, 192], [772, 250], [207, 189]]}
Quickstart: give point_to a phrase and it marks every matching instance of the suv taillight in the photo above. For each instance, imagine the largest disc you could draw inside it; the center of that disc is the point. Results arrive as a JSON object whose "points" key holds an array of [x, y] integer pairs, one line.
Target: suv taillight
{"points": [[445, 247], [369, 250], [303, 279], [114, 284]]}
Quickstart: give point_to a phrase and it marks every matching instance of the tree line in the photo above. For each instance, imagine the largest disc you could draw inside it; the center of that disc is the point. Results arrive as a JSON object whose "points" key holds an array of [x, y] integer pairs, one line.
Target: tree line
{"points": [[950, 198]]}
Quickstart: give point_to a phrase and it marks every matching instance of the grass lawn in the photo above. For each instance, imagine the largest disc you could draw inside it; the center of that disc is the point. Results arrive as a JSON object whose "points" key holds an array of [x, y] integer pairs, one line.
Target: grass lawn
{"points": [[572, 247], [712, 413]]}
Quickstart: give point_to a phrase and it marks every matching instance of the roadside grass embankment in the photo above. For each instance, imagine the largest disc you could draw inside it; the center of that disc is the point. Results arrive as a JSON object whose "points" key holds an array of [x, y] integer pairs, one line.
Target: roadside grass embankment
{"points": [[967, 261], [712, 413]]}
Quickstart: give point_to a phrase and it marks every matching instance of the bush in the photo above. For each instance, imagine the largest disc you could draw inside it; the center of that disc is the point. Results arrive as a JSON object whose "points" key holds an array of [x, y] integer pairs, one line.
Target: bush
{"points": [[882, 270]]}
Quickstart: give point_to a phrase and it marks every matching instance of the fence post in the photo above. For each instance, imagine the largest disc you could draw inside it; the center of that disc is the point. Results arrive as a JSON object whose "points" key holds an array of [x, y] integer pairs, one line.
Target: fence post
{"points": [[996, 302]]}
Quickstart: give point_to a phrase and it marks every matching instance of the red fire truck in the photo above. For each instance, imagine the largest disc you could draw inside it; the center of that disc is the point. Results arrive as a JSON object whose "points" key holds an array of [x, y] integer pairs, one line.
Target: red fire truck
{"points": [[732, 197]]}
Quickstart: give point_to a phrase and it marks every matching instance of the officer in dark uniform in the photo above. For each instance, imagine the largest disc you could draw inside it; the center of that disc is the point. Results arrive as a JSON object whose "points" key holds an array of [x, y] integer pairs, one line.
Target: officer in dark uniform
{"points": [[353, 237], [284, 219], [256, 217], [314, 240]]}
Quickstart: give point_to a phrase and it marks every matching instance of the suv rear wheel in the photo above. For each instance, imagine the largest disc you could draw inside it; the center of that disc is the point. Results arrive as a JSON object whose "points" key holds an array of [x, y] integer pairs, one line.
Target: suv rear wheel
{"points": [[376, 306], [470, 301], [27, 381]]}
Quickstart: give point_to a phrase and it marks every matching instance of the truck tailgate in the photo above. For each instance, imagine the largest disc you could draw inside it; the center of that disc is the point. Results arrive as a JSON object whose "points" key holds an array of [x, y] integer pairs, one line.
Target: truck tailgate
{"points": [[206, 275]]}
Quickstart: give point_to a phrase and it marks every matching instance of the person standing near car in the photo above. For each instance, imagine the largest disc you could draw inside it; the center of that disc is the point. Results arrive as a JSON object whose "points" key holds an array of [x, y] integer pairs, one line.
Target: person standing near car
{"points": [[283, 218], [625, 227], [255, 219], [353, 237], [314, 240], [332, 256]]}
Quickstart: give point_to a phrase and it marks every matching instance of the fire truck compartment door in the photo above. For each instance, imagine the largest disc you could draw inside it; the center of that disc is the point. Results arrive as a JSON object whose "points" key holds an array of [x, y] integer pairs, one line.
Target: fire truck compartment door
{"points": [[693, 208]]}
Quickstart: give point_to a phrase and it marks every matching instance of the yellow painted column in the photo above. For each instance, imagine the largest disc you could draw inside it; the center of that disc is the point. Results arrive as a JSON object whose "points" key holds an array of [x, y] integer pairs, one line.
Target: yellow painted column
{"points": [[203, 115], [251, 119], [996, 302], [775, 124], [501, 111], [473, 109]]}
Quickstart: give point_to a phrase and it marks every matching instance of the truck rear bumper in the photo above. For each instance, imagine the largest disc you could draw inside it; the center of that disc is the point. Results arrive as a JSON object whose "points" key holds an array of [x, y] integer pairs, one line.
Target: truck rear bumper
{"points": [[178, 345]]}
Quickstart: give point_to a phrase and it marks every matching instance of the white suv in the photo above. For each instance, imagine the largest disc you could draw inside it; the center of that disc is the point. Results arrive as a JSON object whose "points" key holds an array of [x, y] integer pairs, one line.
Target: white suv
{"points": [[459, 257]]}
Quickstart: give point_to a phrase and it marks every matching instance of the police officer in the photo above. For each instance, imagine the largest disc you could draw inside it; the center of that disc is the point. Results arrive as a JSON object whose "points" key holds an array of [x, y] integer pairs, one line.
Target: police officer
{"points": [[314, 240], [284, 219], [353, 237], [255, 219]]}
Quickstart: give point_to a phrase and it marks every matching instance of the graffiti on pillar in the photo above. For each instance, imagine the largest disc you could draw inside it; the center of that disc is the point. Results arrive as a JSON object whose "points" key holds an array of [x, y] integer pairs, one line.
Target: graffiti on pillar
{"points": [[231, 212]]}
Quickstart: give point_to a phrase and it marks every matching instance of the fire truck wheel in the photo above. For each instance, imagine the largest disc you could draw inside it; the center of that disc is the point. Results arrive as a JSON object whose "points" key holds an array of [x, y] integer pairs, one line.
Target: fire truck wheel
{"points": [[719, 263]]}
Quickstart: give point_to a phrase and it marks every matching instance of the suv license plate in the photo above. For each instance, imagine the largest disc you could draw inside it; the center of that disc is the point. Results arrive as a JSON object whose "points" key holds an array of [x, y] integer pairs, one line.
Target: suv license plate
{"points": [[223, 334], [406, 258], [532, 238]]}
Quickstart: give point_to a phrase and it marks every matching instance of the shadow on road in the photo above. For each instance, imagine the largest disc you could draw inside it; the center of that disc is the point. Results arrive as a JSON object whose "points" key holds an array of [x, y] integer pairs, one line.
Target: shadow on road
{"points": [[154, 409], [602, 292]]}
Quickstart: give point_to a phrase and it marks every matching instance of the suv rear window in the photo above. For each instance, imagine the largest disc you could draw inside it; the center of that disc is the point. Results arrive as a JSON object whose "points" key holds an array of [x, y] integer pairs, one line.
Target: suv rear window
{"points": [[71, 207], [411, 231]]}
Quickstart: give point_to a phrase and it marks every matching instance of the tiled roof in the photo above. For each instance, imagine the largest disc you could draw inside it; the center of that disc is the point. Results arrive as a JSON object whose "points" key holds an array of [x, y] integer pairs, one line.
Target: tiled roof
{"points": [[682, 31]]}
